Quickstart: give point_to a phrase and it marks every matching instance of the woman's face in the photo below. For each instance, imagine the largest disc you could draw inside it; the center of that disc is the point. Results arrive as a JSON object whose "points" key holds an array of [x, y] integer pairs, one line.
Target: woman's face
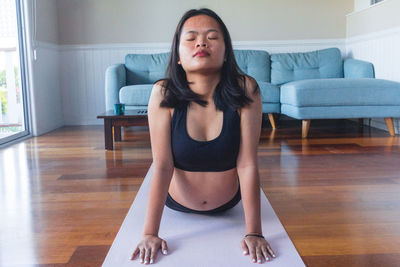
{"points": [[203, 33]]}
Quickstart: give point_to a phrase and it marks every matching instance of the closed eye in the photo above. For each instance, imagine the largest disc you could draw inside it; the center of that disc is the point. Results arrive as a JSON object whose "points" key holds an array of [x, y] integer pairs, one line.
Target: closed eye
{"points": [[208, 38]]}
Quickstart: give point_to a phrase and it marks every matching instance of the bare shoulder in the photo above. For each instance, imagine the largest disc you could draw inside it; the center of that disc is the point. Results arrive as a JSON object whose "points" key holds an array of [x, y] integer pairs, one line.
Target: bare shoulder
{"points": [[159, 88], [157, 96], [250, 85], [251, 88]]}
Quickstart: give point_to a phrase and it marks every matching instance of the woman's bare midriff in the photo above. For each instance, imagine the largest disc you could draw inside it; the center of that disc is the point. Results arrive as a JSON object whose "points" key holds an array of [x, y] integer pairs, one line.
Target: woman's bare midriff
{"points": [[203, 190]]}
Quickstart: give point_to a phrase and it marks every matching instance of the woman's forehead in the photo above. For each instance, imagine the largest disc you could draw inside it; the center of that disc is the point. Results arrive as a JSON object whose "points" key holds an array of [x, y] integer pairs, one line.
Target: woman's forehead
{"points": [[200, 23]]}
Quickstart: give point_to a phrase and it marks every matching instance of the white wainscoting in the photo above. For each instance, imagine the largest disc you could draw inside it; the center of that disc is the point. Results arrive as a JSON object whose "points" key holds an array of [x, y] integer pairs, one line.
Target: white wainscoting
{"points": [[82, 70], [382, 49], [45, 96]]}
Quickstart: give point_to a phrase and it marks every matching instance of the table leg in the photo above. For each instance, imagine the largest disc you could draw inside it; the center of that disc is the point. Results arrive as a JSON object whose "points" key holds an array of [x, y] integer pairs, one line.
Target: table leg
{"points": [[108, 138], [117, 133]]}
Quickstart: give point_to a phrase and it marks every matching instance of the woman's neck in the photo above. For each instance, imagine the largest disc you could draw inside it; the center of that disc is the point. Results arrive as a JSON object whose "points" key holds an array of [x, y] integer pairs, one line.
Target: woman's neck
{"points": [[203, 85]]}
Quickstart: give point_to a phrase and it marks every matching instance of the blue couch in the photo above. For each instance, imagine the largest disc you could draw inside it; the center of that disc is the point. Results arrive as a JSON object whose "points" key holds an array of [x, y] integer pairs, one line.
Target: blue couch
{"points": [[310, 85]]}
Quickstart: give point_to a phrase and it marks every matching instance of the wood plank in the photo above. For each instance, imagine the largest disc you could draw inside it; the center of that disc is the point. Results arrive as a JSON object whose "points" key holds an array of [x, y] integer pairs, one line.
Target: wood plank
{"points": [[386, 260]]}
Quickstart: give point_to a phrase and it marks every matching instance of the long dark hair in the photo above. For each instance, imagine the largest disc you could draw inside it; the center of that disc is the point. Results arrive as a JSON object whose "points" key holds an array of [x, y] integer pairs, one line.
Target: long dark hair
{"points": [[228, 92]]}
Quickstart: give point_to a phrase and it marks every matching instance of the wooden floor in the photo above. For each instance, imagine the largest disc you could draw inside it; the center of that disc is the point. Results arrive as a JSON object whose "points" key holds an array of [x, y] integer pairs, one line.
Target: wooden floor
{"points": [[63, 197]]}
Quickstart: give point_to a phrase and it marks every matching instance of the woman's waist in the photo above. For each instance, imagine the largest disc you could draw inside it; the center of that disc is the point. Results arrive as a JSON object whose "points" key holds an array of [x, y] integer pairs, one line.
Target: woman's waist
{"points": [[200, 189], [205, 180]]}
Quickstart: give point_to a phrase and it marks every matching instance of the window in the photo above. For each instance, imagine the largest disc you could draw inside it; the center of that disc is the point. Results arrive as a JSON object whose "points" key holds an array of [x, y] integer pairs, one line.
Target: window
{"points": [[375, 1], [13, 96]]}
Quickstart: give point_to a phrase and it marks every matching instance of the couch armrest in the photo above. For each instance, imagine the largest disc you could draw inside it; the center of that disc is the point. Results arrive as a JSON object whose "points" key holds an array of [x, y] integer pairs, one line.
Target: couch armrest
{"points": [[354, 68], [115, 79]]}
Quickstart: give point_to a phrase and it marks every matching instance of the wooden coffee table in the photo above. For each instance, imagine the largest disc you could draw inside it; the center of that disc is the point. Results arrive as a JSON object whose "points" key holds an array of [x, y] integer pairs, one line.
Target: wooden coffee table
{"points": [[114, 122]]}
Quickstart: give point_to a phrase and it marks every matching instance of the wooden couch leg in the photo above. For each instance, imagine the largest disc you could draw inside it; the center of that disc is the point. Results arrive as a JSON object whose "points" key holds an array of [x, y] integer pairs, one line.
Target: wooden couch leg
{"points": [[305, 128], [272, 120], [389, 124]]}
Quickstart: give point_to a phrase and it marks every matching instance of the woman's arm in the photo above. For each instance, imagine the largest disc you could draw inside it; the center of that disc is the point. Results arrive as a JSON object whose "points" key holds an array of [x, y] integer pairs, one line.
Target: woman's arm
{"points": [[163, 168], [247, 165]]}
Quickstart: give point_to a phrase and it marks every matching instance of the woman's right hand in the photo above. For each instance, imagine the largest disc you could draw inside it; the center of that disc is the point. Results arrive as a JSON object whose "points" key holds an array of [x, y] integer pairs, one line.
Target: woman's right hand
{"points": [[148, 248]]}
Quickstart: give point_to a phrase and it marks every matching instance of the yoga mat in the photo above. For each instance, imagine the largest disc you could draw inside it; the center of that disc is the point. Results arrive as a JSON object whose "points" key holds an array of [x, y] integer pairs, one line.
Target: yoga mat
{"points": [[198, 240]]}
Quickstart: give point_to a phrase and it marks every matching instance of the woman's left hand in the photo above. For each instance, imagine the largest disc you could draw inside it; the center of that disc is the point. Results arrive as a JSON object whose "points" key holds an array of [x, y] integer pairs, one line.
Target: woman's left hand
{"points": [[258, 247]]}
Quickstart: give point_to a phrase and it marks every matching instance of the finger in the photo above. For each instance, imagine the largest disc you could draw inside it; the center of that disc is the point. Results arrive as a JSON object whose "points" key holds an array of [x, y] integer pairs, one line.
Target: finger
{"points": [[164, 247], [135, 253], [253, 256], [153, 256], [259, 255], [147, 256], [243, 244], [265, 253], [271, 251], [142, 251]]}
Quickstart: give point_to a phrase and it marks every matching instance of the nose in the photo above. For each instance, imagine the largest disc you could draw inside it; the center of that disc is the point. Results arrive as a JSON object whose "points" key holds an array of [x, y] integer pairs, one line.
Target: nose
{"points": [[201, 43]]}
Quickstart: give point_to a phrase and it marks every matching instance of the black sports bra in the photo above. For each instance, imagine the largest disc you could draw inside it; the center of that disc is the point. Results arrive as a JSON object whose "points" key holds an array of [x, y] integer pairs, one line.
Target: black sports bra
{"points": [[218, 154]]}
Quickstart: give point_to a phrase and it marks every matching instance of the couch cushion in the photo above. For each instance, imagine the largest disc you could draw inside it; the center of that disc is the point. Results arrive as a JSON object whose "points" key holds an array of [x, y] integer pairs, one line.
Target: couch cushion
{"points": [[145, 68], [341, 92], [340, 112], [135, 94], [269, 92], [271, 107], [287, 67], [255, 63]]}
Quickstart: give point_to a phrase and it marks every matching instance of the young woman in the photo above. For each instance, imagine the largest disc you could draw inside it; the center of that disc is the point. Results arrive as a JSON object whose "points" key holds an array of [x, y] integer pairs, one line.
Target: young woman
{"points": [[205, 123]]}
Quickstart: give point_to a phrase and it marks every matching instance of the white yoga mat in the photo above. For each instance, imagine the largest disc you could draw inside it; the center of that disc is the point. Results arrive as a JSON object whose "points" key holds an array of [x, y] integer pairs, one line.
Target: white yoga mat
{"points": [[200, 240]]}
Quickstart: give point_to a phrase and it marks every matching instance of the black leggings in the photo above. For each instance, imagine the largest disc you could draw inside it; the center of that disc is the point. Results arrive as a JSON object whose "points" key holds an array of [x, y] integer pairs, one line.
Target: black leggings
{"points": [[172, 204]]}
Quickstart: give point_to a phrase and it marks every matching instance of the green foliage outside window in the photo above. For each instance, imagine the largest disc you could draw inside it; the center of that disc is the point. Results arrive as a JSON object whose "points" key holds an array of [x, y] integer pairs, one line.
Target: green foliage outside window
{"points": [[3, 99], [3, 82], [3, 78], [3, 86]]}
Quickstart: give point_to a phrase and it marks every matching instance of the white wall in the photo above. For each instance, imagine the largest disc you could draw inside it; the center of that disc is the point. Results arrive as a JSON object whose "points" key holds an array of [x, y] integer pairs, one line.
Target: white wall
{"points": [[151, 21], [381, 16], [47, 21], [374, 36], [45, 89], [361, 4]]}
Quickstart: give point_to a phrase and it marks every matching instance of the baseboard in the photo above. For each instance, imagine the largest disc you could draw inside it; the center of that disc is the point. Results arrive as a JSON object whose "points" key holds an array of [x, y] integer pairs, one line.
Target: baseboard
{"points": [[380, 123]]}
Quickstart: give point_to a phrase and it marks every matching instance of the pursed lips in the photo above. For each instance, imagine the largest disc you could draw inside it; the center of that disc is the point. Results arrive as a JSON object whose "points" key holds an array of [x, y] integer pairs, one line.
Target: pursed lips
{"points": [[201, 54]]}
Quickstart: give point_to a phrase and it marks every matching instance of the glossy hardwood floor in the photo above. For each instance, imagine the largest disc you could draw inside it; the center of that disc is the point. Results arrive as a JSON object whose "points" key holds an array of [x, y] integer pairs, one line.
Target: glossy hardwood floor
{"points": [[337, 193]]}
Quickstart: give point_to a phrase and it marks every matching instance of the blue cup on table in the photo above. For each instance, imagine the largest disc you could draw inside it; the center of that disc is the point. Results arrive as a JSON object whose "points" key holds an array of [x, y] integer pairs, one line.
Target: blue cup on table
{"points": [[119, 109]]}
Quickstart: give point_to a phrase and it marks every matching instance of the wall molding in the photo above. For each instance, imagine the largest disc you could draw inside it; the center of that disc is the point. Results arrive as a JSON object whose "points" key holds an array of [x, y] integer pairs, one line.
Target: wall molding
{"points": [[46, 45], [370, 36], [381, 124], [297, 45]]}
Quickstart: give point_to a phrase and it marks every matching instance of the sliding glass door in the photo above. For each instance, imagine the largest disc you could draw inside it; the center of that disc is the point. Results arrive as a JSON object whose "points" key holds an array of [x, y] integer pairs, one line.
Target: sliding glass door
{"points": [[13, 106]]}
